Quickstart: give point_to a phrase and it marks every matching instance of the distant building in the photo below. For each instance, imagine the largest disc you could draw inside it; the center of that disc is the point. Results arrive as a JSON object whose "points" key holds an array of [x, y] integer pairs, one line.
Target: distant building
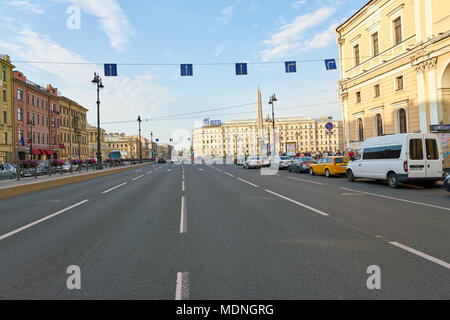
{"points": [[395, 68], [240, 137], [104, 147], [74, 135]]}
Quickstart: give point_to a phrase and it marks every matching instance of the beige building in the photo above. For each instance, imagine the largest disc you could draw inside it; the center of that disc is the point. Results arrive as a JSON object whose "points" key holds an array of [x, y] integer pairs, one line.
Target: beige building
{"points": [[93, 133], [7, 142], [292, 135], [74, 134], [395, 68]]}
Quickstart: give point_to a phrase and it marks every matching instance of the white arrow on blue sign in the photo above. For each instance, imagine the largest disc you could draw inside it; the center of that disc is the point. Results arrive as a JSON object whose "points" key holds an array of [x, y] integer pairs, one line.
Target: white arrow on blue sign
{"points": [[290, 66], [110, 70], [241, 69], [186, 70], [330, 64]]}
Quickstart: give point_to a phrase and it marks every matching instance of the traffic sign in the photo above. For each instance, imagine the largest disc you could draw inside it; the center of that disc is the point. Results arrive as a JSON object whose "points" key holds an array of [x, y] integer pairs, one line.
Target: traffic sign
{"points": [[330, 64], [290, 66], [110, 70], [186, 70], [329, 126], [241, 69], [157, 140]]}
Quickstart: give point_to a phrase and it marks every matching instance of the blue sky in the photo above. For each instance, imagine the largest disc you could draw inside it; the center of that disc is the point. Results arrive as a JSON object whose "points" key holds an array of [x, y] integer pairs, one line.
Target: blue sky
{"points": [[174, 32]]}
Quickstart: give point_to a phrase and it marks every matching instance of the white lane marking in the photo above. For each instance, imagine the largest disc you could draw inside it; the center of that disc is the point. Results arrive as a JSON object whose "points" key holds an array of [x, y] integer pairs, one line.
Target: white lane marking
{"points": [[182, 186], [182, 289], [228, 174], [298, 203], [398, 199], [421, 254], [183, 219], [149, 172], [252, 184], [200, 169], [183, 176], [41, 220], [319, 183], [139, 170], [122, 184], [168, 170], [138, 177]]}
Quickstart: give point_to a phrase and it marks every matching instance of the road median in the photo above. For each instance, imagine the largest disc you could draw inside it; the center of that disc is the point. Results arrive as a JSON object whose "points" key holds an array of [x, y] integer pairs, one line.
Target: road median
{"points": [[13, 191]]}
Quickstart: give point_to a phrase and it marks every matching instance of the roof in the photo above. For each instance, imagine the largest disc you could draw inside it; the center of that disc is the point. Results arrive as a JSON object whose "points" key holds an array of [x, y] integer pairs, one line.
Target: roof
{"points": [[355, 14]]}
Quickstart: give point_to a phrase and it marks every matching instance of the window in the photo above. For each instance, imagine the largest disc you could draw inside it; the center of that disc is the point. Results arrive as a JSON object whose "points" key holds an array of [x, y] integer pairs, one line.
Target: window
{"points": [[32, 100], [379, 123], [432, 149], [3, 75], [19, 95], [397, 30], [356, 55], [38, 120], [415, 149], [360, 128], [375, 49], [37, 102], [402, 121], [358, 97], [399, 83], [387, 152], [5, 137], [5, 117], [376, 91]]}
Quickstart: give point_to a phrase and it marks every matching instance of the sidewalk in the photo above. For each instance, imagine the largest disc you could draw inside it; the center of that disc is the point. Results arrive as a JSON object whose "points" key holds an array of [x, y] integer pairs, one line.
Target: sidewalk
{"points": [[28, 181]]}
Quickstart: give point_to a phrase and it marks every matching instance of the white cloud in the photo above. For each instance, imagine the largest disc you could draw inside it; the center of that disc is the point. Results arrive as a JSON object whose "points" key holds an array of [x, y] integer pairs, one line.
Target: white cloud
{"points": [[113, 20], [26, 6], [123, 97], [227, 14], [219, 49], [297, 4], [292, 38]]}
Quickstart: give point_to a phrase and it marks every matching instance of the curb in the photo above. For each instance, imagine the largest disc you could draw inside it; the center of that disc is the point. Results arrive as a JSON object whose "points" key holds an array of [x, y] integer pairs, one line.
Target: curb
{"points": [[44, 185]]}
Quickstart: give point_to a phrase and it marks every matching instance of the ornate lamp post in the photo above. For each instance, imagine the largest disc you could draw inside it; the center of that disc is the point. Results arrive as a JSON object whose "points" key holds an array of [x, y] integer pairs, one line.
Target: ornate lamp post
{"points": [[98, 81]]}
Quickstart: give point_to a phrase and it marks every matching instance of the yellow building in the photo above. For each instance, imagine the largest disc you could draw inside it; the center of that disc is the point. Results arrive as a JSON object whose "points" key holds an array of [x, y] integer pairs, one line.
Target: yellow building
{"points": [[6, 110], [293, 134], [74, 135], [395, 68], [105, 149]]}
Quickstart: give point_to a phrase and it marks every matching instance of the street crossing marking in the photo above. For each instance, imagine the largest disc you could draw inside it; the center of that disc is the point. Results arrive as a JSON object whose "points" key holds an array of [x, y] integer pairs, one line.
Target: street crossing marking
{"points": [[298, 203], [182, 288], [252, 184], [398, 199], [421, 254], [120, 185], [183, 219], [138, 177], [42, 220]]}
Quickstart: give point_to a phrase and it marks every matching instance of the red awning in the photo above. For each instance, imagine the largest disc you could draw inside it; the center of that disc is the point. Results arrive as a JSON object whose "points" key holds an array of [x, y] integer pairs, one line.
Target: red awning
{"points": [[36, 151], [49, 152]]}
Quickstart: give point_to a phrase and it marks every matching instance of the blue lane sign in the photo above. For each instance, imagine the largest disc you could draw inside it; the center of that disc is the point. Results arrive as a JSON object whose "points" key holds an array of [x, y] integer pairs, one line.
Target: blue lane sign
{"points": [[290, 66], [110, 70], [329, 126], [157, 140], [170, 139], [186, 70], [206, 121], [241, 69], [330, 64]]}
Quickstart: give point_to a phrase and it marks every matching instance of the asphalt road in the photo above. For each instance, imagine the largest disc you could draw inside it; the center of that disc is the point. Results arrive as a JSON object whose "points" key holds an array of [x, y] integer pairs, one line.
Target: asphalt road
{"points": [[222, 232]]}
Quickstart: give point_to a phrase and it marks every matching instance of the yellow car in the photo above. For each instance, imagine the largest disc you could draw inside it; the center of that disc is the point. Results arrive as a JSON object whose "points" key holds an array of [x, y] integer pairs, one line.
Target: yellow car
{"points": [[329, 166]]}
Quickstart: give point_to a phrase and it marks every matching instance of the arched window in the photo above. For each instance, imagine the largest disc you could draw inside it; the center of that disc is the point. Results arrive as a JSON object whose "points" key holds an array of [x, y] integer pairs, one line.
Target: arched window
{"points": [[360, 130], [379, 124], [402, 121]]}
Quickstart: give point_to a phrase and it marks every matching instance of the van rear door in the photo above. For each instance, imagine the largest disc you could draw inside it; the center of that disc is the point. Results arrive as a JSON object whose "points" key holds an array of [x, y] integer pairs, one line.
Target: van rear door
{"points": [[433, 161], [416, 159]]}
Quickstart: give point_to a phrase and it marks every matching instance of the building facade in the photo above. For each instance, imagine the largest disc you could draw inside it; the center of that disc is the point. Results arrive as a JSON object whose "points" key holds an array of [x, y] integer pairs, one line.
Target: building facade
{"points": [[36, 119], [240, 137], [74, 136], [6, 110], [394, 68], [105, 149]]}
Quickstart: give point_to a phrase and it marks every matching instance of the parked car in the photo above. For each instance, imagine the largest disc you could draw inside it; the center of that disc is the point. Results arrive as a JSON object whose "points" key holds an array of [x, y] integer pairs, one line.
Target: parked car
{"points": [[281, 162], [240, 160], [161, 160], [301, 164], [447, 183], [66, 167], [253, 162], [7, 171], [407, 157], [329, 166]]}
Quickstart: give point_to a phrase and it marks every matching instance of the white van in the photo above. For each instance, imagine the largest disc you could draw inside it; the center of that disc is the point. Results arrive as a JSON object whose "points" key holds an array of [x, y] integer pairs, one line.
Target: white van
{"points": [[398, 158]]}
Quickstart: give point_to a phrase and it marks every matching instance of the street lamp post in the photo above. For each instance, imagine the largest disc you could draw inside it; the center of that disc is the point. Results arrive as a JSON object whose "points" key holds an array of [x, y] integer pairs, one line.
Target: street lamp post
{"points": [[151, 139], [271, 101], [98, 81], [31, 124], [268, 120], [140, 141]]}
